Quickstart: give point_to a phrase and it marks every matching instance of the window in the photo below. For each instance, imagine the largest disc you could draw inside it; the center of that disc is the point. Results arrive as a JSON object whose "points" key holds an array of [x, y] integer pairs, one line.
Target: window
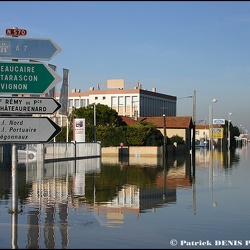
{"points": [[71, 103], [77, 102], [121, 100], [113, 101], [127, 103], [83, 103]]}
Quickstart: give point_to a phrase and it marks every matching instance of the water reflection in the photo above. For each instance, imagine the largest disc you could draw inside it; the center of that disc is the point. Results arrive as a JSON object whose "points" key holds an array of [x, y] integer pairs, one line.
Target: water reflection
{"points": [[53, 197]]}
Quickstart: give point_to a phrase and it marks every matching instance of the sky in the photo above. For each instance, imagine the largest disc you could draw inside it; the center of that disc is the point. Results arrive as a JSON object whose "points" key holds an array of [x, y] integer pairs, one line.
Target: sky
{"points": [[178, 47]]}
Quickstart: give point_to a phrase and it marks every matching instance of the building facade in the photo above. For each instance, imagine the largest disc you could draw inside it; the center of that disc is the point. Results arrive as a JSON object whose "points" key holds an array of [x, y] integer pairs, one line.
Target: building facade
{"points": [[136, 102]]}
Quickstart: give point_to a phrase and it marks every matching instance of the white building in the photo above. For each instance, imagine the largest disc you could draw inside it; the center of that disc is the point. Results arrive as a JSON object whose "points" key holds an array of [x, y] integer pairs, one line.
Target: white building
{"points": [[133, 102]]}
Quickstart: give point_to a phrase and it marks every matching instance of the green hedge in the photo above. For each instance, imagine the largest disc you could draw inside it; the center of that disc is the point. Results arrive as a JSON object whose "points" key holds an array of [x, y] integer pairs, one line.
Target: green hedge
{"points": [[138, 135]]}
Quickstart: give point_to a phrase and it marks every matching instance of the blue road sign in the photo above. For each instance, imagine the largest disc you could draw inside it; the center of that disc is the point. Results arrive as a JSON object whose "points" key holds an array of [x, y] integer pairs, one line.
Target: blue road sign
{"points": [[28, 48], [219, 121]]}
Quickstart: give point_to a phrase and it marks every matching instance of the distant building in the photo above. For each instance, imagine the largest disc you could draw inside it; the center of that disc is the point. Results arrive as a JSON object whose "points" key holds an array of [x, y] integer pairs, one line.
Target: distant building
{"points": [[134, 102], [175, 125]]}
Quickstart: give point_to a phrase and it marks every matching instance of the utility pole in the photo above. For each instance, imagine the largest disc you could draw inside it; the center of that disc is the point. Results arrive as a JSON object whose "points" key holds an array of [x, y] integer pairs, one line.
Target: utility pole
{"points": [[164, 134], [194, 124]]}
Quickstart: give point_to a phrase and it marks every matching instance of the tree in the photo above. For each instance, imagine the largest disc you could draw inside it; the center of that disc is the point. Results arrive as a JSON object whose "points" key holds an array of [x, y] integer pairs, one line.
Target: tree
{"points": [[105, 115]]}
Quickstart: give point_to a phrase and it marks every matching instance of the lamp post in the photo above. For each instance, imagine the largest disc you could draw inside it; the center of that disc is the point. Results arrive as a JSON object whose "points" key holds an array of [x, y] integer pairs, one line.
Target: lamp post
{"points": [[211, 123], [164, 153], [194, 123], [228, 130], [165, 136], [194, 118], [240, 128], [94, 122]]}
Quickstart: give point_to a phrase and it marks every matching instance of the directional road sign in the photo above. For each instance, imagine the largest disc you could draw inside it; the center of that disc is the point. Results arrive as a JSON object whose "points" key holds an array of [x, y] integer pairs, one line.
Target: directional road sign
{"points": [[27, 129], [28, 48], [28, 105], [29, 78]]}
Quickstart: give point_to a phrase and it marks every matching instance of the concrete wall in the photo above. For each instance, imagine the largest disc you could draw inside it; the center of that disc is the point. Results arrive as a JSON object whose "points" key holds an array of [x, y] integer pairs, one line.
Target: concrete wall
{"points": [[133, 150], [134, 155]]}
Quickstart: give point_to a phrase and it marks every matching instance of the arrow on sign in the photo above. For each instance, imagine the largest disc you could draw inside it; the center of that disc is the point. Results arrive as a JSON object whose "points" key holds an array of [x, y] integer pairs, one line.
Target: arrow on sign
{"points": [[28, 48], [27, 78], [28, 105], [27, 129]]}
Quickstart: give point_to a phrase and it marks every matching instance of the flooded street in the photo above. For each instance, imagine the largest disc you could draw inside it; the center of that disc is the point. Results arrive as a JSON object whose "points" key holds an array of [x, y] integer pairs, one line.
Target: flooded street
{"points": [[89, 204]]}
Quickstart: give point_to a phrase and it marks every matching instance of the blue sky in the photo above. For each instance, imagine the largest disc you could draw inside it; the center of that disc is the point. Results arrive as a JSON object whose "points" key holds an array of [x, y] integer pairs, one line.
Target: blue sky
{"points": [[174, 46]]}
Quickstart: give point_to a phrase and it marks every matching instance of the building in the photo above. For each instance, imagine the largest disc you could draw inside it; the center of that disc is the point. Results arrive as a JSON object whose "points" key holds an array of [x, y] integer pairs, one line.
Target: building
{"points": [[175, 125], [132, 102], [203, 133]]}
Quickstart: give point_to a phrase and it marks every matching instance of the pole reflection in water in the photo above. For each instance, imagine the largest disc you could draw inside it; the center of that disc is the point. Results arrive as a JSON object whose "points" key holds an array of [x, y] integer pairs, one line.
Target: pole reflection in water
{"points": [[194, 184], [14, 210], [164, 175], [218, 161]]}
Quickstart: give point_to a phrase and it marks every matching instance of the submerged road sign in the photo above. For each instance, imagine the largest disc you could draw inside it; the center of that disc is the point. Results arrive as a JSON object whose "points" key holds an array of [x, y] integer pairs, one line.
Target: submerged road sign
{"points": [[27, 129], [27, 78], [28, 105], [28, 48]]}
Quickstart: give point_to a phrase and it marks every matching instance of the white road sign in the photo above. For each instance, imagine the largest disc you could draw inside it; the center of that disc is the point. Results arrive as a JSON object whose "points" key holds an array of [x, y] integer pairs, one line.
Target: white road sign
{"points": [[28, 105], [219, 121], [27, 129]]}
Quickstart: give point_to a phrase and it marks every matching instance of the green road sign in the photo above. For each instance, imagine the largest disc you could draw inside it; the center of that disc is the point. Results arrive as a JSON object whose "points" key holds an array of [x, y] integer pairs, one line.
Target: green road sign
{"points": [[27, 78]]}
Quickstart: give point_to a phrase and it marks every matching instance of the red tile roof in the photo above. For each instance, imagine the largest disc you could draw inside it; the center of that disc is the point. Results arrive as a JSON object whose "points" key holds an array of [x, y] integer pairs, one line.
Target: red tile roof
{"points": [[200, 126], [171, 121]]}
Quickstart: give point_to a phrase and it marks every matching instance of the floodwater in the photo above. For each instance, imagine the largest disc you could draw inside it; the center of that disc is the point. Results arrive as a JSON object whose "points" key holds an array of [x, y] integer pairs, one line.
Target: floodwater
{"points": [[88, 204]]}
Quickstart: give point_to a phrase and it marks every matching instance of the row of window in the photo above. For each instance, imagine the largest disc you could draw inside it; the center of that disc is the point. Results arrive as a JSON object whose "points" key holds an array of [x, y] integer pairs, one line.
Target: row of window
{"points": [[127, 105]]}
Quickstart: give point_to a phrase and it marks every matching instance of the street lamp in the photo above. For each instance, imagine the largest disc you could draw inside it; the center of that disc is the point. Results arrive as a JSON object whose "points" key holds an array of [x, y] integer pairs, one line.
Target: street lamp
{"points": [[194, 117], [94, 107], [211, 123], [194, 104], [228, 130]]}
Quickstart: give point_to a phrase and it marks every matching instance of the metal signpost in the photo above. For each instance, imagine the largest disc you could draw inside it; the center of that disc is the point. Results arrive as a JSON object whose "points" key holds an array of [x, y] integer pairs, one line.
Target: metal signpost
{"points": [[28, 105], [28, 48], [27, 129], [28, 77]]}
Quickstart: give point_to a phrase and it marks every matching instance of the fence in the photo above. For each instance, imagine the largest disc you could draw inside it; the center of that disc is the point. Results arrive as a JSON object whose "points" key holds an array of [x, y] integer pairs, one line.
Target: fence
{"points": [[56, 151], [48, 152]]}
